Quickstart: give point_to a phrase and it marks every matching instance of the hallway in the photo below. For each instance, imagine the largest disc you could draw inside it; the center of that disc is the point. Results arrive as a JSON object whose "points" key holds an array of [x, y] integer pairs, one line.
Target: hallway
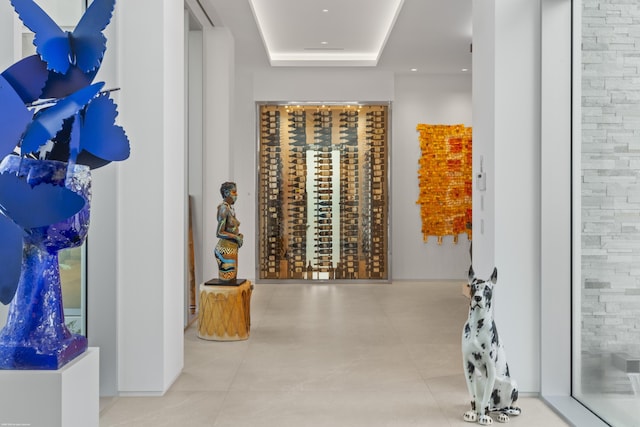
{"points": [[332, 355]]}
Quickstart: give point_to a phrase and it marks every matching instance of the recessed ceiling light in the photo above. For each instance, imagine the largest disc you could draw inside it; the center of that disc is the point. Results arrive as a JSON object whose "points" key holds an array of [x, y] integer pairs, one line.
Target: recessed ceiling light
{"points": [[287, 52], [323, 42], [414, 69], [465, 69]]}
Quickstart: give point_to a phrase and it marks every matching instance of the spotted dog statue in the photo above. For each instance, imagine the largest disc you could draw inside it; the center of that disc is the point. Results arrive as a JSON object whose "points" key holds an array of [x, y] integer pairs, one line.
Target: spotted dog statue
{"points": [[485, 365]]}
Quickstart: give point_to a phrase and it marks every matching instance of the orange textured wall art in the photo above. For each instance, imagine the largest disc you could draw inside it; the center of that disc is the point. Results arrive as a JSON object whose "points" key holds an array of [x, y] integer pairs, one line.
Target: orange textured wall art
{"points": [[445, 180]]}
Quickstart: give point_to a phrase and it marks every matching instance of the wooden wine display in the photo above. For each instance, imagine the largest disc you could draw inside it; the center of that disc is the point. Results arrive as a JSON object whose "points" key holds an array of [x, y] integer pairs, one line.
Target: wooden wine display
{"points": [[322, 192]]}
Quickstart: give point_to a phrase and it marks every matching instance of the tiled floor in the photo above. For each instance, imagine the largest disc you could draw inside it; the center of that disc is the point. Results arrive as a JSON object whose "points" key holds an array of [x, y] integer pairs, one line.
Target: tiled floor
{"points": [[328, 355]]}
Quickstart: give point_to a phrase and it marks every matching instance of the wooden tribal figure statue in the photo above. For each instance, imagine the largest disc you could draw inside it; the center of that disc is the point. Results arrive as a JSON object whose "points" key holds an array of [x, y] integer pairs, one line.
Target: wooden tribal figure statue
{"points": [[230, 239], [485, 364]]}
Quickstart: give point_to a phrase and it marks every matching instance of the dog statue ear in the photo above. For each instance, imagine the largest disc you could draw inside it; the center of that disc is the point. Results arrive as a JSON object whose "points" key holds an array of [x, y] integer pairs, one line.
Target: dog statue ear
{"points": [[471, 273], [494, 275]]}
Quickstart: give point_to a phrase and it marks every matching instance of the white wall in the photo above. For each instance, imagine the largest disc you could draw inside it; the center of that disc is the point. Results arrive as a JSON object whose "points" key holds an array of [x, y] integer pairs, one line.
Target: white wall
{"points": [[506, 105], [484, 134], [151, 197], [436, 99], [218, 145], [102, 310], [322, 84], [555, 245], [194, 111], [175, 196], [110, 321], [243, 169], [415, 99], [288, 84], [557, 82], [517, 174], [6, 35]]}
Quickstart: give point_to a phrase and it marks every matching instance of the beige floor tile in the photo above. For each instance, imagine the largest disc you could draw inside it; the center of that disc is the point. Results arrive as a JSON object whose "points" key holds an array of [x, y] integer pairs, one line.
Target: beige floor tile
{"points": [[180, 408], [297, 408], [327, 355]]}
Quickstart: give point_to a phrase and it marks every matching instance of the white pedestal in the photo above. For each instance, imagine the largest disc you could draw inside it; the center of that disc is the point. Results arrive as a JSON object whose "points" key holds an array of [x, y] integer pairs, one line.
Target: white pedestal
{"points": [[68, 397]]}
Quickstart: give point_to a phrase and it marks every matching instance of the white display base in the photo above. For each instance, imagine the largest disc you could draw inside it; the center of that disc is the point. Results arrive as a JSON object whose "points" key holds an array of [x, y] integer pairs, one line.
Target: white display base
{"points": [[68, 397]]}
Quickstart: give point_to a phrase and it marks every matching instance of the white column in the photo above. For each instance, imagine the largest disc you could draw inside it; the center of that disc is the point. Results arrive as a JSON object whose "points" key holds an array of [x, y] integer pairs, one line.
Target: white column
{"points": [[556, 196], [243, 161], [196, 114], [506, 124], [102, 307], [151, 199], [483, 134], [7, 35], [219, 87]]}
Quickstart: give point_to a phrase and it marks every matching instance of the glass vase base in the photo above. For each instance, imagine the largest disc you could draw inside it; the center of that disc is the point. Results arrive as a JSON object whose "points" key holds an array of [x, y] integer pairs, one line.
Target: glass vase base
{"points": [[14, 356]]}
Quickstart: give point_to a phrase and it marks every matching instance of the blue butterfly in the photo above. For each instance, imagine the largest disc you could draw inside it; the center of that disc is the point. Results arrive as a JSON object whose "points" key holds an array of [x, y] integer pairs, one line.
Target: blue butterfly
{"points": [[28, 78], [48, 122], [83, 47], [23, 207], [32, 81], [99, 135], [14, 117], [92, 138]]}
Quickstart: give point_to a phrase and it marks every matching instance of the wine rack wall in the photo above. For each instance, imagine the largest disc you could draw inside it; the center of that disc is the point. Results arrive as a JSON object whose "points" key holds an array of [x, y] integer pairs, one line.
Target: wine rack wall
{"points": [[322, 192]]}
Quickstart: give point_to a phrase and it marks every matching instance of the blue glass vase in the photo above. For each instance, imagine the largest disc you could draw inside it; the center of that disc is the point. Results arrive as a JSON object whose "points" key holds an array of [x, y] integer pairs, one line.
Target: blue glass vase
{"points": [[35, 335]]}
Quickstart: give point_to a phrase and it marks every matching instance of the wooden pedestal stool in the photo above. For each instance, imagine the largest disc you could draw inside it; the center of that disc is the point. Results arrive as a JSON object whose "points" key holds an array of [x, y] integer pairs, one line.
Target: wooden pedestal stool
{"points": [[225, 311]]}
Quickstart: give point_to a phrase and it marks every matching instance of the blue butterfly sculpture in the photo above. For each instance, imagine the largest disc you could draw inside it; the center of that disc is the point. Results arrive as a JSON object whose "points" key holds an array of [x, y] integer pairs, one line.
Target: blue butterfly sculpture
{"points": [[48, 122], [83, 47], [22, 128], [14, 117], [49, 109], [28, 78], [32, 81], [92, 138]]}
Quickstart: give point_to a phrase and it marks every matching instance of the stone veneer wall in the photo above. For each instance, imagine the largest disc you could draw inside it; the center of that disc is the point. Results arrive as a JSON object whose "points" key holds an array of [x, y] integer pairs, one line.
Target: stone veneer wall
{"points": [[611, 176]]}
